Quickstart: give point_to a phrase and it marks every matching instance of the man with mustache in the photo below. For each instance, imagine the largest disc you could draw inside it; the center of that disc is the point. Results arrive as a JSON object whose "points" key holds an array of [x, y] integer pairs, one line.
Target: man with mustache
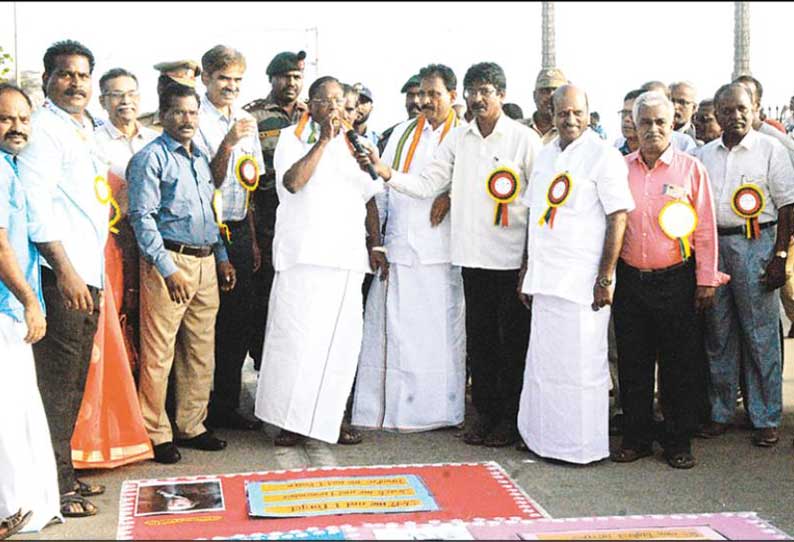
{"points": [[171, 194], [228, 135], [327, 238], [412, 108], [278, 110], [184, 72], [754, 191], [666, 275], [65, 180], [629, 144], [485, 166], [364, 110], [547, 81], [27, 463], [570, 266], [412, 367]]}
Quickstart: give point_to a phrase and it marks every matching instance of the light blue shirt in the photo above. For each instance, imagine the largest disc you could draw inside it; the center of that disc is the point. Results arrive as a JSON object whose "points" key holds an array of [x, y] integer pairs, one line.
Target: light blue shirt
{"points": [[213, 127], [14, 219], [171, 198], [59, 170]]}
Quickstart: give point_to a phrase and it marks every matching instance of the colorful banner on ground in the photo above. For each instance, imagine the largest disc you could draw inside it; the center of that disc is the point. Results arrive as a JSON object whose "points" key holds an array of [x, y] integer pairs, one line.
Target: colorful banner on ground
{"points": [[301, 497]]}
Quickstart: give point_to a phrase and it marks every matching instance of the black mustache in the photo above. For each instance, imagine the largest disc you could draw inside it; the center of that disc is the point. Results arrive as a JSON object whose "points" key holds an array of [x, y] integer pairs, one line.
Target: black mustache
{"points": [[10, 135], [183, 126], [75, 92]]}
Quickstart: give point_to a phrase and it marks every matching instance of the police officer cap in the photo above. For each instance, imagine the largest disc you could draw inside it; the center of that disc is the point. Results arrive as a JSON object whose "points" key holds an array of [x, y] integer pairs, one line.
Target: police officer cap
{"points": [[286, 62], [550, 78], [413, 81], [174, 65]]}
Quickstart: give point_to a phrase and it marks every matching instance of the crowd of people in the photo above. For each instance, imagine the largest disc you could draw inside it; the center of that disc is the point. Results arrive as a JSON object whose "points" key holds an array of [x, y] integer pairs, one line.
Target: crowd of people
{"points": [[372, 277]]}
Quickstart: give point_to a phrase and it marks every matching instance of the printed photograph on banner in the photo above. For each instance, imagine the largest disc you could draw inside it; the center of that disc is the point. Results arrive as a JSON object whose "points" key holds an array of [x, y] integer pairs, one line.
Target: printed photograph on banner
{"points": [[700, 532], [423, 532], [179, 498], [306, 497]]}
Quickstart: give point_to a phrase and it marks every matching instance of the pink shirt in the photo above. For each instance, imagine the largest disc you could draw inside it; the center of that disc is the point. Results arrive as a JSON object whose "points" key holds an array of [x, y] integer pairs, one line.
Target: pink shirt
{"points": [[677, 175]]}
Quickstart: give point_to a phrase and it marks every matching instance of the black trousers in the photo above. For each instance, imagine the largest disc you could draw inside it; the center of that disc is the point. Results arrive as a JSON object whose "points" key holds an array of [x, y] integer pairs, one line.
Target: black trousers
{"points": [[655, 318], [266, 203], [62, 358], [497, 335], [234, 324]]}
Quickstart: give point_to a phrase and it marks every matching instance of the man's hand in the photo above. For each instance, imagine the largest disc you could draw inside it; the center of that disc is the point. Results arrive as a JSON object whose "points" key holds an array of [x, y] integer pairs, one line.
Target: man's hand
{"points": [[227, 277], [440, 209], [177, 287], [602, 296], [525, 299], [75, 293], [34, 319], [704, 297], [775, 275], [256, 255], [378, 261], [240, 130], [330, 126], [370, 156]]}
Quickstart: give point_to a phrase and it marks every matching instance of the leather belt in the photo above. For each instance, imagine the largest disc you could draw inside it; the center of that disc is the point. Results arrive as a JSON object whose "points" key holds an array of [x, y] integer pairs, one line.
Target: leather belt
{"points": [[654, 273], [199, 252], [736, 230]]}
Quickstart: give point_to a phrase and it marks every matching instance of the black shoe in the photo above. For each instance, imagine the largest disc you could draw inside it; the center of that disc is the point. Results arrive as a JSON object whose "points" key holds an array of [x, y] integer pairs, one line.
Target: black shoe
{"points": [[205, 441], [504, 434], [166, 453], [232, 420]]}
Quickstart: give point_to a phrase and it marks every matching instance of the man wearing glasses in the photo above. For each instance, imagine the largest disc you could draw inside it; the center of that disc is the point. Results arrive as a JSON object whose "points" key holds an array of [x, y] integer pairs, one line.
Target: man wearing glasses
{"points": [[314, 327], [486, 166], [682, 94]]}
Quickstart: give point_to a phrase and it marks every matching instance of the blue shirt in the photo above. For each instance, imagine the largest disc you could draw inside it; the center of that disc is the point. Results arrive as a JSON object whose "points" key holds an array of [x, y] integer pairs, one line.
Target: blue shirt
{"points": [[14, 219], [171, 198]]}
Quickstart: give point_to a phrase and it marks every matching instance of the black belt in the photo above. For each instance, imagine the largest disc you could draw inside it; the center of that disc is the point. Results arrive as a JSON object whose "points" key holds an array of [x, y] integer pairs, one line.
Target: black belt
{"points": [[654, 273], [200, 252], [736, 230], [234, 224]]}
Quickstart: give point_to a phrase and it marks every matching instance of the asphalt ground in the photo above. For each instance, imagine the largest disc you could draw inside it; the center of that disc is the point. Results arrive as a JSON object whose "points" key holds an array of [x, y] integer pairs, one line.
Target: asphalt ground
{"points": [[732, 475]]}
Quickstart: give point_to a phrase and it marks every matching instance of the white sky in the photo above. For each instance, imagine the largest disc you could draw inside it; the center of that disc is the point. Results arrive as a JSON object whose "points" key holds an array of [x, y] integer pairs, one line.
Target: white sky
{"points": [[608, 48]]}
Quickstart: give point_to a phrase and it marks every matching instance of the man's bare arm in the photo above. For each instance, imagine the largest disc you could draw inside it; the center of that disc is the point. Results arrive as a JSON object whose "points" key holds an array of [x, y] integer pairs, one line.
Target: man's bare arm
{"points": [[613, 242]]}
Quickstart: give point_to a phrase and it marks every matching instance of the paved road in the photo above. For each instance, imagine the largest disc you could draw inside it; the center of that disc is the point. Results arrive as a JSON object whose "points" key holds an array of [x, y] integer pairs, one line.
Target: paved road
{"points": [[732, 474]]}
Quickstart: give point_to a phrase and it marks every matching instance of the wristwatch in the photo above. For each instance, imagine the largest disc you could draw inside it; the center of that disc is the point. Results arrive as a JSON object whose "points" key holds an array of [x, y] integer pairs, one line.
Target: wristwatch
{"points": [[604, 282], [781, 254]]}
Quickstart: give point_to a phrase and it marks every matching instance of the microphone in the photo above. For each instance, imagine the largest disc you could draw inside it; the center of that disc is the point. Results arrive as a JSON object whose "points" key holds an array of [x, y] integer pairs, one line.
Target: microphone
{"points": [[352, 136]]}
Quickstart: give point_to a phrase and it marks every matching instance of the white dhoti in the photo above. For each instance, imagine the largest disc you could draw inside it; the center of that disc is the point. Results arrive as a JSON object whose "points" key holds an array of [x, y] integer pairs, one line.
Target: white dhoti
{"points": [[312, 342], [564, 408], [28, 476], [412, 369]]}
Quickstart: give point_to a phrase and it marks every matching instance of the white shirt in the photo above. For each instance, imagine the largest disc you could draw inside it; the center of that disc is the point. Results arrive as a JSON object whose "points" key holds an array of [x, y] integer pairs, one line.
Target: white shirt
{"points": [[462, 164], [786, 140], [563, 260], [58, 170], [757, 159], [324, 222], [213, 127], [409, 234], [117, 148]]}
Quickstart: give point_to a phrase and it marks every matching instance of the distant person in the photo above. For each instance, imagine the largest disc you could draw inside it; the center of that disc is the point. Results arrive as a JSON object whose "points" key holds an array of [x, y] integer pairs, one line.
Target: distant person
{"points": [[350, 109], [513, 111], [365, 104], [684, 98], [629, 142], [595, 125], [412, 108], [184, 72], [707, 129], [754, 192], [547, 81]]}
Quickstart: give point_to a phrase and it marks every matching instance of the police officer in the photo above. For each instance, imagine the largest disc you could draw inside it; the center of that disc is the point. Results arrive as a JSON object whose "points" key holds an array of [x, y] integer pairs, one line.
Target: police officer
{"points": [[278, 110], [183, 72]]}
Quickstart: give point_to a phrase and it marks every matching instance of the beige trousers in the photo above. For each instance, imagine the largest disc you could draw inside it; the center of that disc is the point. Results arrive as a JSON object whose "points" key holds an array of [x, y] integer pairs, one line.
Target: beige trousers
{"points": [[787, 291], [182, 335]]}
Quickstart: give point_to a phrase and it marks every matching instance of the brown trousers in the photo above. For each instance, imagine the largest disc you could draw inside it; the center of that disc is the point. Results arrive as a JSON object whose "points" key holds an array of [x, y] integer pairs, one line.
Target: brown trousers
{"points": [[182, 335]]}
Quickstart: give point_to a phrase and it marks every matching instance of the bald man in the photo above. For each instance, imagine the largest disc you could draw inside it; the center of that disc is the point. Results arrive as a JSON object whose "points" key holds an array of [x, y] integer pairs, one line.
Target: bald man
{"points": [[569, 270]]}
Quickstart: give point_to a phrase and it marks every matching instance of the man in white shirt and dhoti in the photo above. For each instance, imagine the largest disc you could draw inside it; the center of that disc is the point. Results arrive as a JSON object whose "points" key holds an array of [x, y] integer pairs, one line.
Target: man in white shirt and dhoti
{"points": [[314, 327], [412, 369], [578, 197]]}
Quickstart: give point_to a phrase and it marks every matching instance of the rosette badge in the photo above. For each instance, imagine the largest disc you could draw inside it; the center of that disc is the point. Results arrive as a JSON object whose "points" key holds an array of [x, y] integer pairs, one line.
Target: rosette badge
{"points": [[748, 202], [556, 196], [104, 194], [503, 187], [678, 220], [246, 171]]}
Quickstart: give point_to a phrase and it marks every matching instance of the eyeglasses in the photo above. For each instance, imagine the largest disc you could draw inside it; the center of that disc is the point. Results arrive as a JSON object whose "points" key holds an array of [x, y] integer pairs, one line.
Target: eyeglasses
{"points": [[485, 92], [116, 95], [327, 102]]}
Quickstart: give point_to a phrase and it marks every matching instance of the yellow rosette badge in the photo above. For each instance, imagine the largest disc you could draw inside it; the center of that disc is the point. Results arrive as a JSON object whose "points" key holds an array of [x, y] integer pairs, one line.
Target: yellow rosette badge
{"points": [[558, 193], [678, 220], [217, 206], [246, 170], [104, 194], [503, 186], [748, 202]]}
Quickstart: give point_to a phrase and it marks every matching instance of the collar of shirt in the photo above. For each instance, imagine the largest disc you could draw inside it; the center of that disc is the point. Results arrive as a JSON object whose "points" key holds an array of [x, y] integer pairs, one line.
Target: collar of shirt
{"points": [[747, 142], [208, 106], [116, 134], [173, 145], [272, 105], [499, 128], [666, 158], [11, 159], [65, 116]]}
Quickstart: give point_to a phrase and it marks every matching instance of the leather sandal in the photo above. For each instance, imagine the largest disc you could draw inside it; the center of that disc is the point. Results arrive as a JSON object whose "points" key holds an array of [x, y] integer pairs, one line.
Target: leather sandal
{"points": [[629, 455], [349, 436], [680, 460], [13, 524], [88, 490], [72, 498], [287, 438]]}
